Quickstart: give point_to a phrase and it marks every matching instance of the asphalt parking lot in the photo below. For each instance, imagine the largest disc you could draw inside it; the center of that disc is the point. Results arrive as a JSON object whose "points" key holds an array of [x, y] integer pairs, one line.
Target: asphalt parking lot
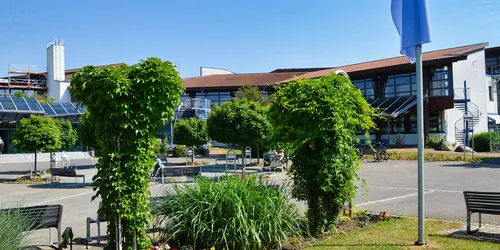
{"points": [[392, 188]]}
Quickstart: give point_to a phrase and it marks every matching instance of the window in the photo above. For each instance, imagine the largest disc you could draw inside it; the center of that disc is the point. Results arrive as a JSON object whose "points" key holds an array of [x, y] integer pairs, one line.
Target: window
{"points": [[492, 64], [435, 121], [490, 92], [440, 83], [398, 124], [366, 87], [215, 98], [401, 85]]}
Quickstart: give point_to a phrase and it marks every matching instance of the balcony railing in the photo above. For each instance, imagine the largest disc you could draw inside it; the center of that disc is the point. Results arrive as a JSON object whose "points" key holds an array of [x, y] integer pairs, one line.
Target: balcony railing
{"points": [[493, 70]]}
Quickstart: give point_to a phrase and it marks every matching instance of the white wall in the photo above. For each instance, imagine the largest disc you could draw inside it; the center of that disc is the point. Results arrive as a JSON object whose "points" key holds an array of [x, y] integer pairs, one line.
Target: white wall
{"points": [[471, 70], [57, 88], [204, 71]]}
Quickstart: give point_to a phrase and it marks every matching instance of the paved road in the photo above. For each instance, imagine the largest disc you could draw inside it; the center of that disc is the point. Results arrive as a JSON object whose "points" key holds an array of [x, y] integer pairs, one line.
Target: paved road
{"points": [[392, 188]]}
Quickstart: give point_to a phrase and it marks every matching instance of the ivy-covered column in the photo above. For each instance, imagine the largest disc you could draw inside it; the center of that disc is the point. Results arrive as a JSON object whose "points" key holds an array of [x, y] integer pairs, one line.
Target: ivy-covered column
{"points": [[126, 105]]}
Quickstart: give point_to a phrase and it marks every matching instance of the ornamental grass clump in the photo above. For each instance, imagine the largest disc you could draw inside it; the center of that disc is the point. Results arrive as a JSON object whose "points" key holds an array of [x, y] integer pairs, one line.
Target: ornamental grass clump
{"points": [[12, 225], [231, 213]]}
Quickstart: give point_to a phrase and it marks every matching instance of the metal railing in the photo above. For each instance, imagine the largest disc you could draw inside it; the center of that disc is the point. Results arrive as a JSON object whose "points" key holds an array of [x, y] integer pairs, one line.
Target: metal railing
{"points": [[493, 70]]}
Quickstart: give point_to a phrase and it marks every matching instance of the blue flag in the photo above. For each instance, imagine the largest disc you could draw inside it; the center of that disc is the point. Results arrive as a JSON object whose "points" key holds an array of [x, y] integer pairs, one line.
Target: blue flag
{"points": [[411, 18]]}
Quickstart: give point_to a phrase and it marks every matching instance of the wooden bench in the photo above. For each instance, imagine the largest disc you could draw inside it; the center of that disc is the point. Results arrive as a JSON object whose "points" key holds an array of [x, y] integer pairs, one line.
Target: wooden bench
{"points": [[66, 172], [481, 203], [41, 217]]}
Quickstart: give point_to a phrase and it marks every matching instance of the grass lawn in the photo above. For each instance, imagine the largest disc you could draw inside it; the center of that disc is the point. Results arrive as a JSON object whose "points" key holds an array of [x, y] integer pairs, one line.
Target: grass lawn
{"points": [[401, 234], [219, 150]]}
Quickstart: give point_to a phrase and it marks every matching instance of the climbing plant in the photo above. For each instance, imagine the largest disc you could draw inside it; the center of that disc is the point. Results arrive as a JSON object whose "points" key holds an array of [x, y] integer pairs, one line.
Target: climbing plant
{"points": [[317, 120], [127, 104]]}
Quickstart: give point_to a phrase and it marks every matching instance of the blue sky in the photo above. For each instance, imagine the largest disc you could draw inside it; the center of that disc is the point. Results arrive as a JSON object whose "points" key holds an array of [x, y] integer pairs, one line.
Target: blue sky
{"points": [[242, 36]]}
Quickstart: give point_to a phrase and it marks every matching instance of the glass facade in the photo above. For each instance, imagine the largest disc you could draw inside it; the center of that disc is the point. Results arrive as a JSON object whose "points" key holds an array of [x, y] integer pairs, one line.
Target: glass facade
{"points": [[440, 83], [216, 98], [366, 87], [401, 85]]}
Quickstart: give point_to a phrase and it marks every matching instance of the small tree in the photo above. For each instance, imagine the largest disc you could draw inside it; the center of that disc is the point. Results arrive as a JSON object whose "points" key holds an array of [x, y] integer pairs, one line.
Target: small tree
{"points": [[252, 93], [317, 119], [37, 134], [190, 132], [68, 134], [240, 122]]}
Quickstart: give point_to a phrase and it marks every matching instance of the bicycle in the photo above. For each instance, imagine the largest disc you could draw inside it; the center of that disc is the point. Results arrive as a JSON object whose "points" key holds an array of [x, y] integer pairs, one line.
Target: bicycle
{"points": [[380, 153]]}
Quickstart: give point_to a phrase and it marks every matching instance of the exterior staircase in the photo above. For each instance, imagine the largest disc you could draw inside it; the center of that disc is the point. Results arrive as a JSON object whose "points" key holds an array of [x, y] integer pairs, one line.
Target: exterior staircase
{"points": [[463, 103]]}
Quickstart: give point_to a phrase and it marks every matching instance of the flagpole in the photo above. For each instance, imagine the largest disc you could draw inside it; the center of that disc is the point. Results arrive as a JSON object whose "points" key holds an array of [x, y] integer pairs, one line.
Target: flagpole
{"points": [[420, 137]]}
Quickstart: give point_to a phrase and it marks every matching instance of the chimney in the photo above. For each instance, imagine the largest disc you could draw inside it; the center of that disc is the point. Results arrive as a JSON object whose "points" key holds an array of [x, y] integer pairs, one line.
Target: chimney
{"points": [[57, 87]]}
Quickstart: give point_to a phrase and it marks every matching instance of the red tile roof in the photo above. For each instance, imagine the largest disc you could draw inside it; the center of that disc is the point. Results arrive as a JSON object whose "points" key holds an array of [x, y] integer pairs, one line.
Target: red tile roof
{"points": [[72, 71], [395, 61], [237, 80]]}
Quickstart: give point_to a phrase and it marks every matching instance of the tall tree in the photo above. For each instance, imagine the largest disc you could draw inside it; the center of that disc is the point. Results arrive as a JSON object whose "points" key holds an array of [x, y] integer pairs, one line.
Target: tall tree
{"points": [[37, 134], [191, 132], [240, 122], [68, 134], [126, 105], [317, 119]]}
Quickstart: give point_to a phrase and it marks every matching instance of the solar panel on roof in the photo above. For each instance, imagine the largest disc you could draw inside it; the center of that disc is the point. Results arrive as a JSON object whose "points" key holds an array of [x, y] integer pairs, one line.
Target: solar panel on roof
{"points": [[21, 104], [70, 108], [7, 103], [48, 110], [58, 109], [33, 104]]}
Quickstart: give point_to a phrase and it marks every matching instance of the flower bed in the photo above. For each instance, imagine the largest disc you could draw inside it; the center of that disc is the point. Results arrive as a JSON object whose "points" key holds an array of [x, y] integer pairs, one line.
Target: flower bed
{"points": [[37, 179]]}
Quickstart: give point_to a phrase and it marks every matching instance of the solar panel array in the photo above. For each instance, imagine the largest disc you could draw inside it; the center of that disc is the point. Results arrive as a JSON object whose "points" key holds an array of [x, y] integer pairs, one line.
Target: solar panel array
{"points": [[16, 108]]}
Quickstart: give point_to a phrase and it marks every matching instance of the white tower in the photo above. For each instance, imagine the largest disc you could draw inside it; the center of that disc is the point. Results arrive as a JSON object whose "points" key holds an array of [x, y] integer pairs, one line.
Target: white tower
{"points": [[58, 87]]}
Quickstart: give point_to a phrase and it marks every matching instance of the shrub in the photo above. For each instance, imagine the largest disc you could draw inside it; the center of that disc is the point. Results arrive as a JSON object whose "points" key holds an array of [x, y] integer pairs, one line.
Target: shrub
{"points": [[482, 141], [12, 226], [433, 142], [180, 151], [158, 147], [232, 213]]}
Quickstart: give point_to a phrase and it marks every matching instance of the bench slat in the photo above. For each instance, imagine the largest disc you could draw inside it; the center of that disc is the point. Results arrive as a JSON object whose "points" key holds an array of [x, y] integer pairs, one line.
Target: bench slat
{"points": [[39, 217]]}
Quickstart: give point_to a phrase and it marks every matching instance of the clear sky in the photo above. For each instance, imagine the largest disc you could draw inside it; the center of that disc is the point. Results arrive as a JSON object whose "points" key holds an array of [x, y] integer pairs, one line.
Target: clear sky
{"points": [[241, 36]]}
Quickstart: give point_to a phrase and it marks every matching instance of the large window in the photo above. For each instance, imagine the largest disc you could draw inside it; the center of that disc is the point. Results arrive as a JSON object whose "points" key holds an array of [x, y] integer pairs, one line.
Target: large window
{"points": [[440, 83], [216, 98], [435, 121], [492, 64], [401, 85], [366, 87]]}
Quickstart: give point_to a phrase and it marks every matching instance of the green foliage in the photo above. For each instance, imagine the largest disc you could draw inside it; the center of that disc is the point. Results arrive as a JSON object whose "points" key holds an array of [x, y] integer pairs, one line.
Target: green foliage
{"points": [[180, 151], [252, 93], [317, 120], [87, 131], [239, 122], [433, 142], [190, 132], [12, 226], [127, 104], [37, 133], [398, 139], [68, 134], [159, 148], [482, 141], [19, 94], [232, 213]]}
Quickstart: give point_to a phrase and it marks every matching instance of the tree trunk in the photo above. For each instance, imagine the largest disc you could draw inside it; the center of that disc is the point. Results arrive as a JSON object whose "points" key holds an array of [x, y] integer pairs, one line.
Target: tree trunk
{"points": [[35, 162]]}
